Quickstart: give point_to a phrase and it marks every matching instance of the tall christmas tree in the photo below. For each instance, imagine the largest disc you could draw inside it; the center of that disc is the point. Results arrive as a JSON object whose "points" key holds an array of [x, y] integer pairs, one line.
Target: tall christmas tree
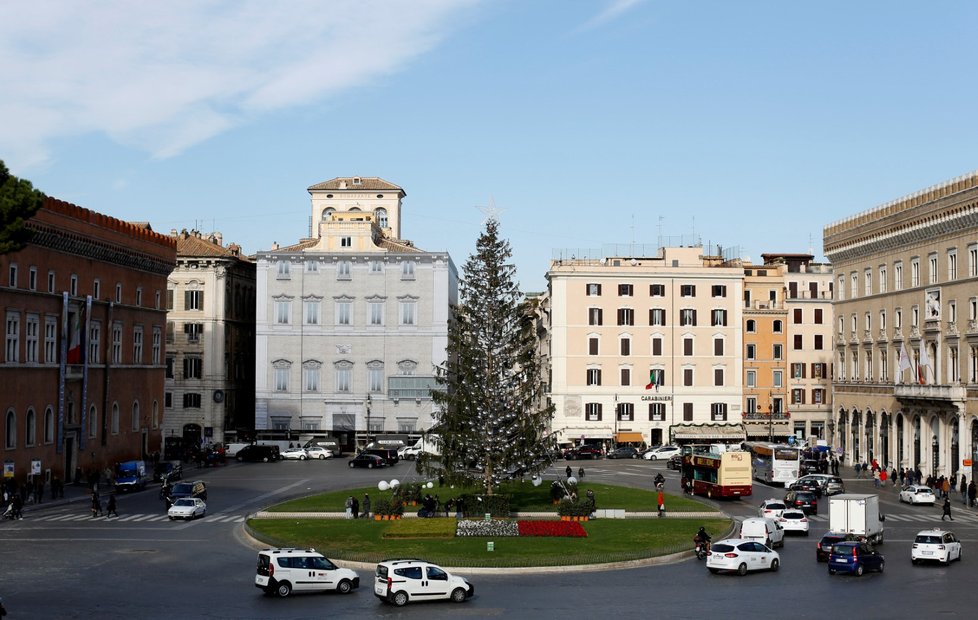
{"points": [[493, 419]]}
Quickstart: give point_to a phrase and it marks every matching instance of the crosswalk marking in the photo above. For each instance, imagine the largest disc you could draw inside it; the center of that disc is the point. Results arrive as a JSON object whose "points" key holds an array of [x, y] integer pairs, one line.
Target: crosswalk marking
{"points": [[133, 518]]}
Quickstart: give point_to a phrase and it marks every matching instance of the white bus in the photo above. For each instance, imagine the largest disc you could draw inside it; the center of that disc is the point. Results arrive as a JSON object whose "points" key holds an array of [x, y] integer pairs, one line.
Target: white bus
{"points": [[774, 463]]}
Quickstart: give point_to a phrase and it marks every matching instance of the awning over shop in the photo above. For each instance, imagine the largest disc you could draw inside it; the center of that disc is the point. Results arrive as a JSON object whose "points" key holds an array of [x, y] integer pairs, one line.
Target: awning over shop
{"points": [[629, 438], [725, 432]]}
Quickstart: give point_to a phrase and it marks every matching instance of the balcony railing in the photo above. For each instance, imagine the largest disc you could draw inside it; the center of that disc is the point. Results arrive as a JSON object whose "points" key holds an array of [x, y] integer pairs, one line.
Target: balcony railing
{"points": [[947, 393]]}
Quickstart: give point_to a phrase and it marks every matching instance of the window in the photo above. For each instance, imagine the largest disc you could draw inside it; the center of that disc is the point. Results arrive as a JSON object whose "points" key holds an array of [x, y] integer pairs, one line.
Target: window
{"points": [[687, 412], [657, 412], [283, 270], [854, 288], [380, 214], [32, 283], [657, 346], [952, 265], [344, 310], [281, 379], [687, 317], [346, 242], [818, 396], [12, 279], [593, 376], [718, 412], [797, 342], [718, 318], [51, 341], [818, 316], [818, 342], [776, 351], [625, 412], [376, 310], [407, 270], [193, 367], [915, 272], [48, 425], [751, 378], [344, 374], [625, 290], [344, 270], [193, 331], [311, 311], [796, 316], [376, 266], [797, 396], [157, 346], [93, 422], [687, 377], [718, 290], [375, 377], [972, 261], [117, 343], [842, 288], [592, 346], [10, 430], [283, 311], [778, 326], [310, 377], [657, 290], [137, 345], [687, 290], [914, 317], [593, 412], [95, 342], [408, 312], [777, 378], [882, 279], [594, 316], [718, 347], [868, 282], [625, 346], [898, 276], [657, 317], [51, 286], [752, 351], [751, 326], [869, 322], [797, 371], [13, 338], [717, 377], [191, 400], [626, 376], [170, 363], [687, 346], [73, 285], [593, 289], [32, 335], [115, 414], [118, 293], [932, 270], [898, 319], [135, 417], [311, 266], [626, 316]]}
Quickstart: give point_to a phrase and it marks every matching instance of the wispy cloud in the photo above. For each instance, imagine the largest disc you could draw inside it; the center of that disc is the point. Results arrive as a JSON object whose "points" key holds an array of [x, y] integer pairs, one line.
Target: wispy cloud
{"points": [[613, 11], [163, 77]]}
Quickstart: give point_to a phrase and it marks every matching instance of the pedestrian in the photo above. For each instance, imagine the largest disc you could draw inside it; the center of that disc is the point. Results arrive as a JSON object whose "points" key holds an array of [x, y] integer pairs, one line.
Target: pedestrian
{"points": [[366, 506], [964, 489], [882, 476], [857, 467], [876, 478], [349, 507], [96, 504], [946, 488], [972, 493], [569, 471], [683, 481], [111, 508], [893, 477], [947, 510], [580, 474], [459, 508], [18, 507], [356, 508], [661, 501]]}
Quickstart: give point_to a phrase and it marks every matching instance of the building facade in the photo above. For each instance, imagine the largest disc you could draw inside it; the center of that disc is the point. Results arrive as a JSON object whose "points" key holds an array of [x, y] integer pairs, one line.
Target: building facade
{"points": [[83, 360], [352, 321], [210, 341], [645, 348], [906, 330]]}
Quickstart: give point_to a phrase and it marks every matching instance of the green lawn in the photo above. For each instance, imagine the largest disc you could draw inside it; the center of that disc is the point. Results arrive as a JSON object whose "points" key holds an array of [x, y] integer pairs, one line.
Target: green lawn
{"points": [[608, 540]]}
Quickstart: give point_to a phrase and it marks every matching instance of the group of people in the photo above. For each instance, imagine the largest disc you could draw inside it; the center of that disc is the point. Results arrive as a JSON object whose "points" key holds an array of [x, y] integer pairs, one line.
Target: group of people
{"points": [[353, 507], [110, 509], [570, 472]]}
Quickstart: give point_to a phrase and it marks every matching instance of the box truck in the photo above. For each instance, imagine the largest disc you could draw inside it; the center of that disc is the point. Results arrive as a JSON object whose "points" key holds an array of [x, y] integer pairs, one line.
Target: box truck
{"points": [[858, 514]]}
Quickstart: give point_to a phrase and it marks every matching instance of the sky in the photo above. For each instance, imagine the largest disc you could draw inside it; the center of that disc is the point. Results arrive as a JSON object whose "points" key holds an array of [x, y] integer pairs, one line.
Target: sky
{"points": [[750, 124]]}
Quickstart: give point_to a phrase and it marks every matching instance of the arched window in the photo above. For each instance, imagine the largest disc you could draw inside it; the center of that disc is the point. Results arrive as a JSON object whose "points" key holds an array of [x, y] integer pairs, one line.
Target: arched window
{"points": [[135, 417], [31, 436], [48, 425], [328, 213], [381, 215], [10, 430], [93, 422], [115, 418], [156, 414]]}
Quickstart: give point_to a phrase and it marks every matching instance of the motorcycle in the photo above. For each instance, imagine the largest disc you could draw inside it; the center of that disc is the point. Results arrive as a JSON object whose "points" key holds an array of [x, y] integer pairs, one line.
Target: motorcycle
{"points": [[702, 550]]}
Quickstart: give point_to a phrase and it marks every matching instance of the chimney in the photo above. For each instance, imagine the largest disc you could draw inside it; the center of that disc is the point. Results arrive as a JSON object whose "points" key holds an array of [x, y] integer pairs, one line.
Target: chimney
{"points": [[274, 245]]}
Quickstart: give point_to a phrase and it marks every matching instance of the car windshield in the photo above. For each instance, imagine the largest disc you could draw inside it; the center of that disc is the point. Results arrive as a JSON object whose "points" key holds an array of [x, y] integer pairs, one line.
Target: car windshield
{"points": [[184, 502], [722, 547], [182, 487], [773, 506], [794, 515], [929, 540]]}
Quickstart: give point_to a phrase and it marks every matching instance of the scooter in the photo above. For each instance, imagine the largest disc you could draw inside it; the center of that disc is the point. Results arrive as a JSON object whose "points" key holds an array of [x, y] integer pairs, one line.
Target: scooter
{"points": [[702, 550]]}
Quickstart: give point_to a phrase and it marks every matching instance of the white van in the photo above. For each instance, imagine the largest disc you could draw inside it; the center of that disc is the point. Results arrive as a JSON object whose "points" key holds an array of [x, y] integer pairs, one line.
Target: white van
{"points": [[764, 530]]}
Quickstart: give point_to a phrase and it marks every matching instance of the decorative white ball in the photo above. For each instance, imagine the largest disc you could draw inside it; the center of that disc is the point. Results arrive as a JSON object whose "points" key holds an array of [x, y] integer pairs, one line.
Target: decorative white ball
{"points": [[382, 485], [537, 481], [572, 480], [429, 485], [395, 483]]}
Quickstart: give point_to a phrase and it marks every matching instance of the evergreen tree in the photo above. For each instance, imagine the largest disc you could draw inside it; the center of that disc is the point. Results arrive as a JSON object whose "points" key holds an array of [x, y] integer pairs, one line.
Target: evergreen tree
{"points": [[19, 201], [493, 421]]}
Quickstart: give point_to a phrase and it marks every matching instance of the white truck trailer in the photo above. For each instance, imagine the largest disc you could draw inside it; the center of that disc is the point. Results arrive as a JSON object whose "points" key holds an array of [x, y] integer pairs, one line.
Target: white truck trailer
{"points": [[858, 514]]}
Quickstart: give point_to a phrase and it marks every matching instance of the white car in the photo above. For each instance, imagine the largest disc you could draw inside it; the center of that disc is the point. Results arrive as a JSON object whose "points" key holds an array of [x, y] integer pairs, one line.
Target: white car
{"points": [[283, 571], [741, 555], [794, 520], [295, 454], [187, 508], [661, 454], [937, 545], [918, 494], [402, 581], [771, 508], [318, 452]]}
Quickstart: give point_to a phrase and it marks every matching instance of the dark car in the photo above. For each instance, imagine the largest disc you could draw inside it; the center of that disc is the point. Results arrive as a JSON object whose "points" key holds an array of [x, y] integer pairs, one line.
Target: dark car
{"points": [[854, 557], [370, 461], [258, 454], [388, 454], [803, 500], [165, 470], [625, 452], [195, 488], [808, 466], [583, 452], [824, 546], [809, 485], [675, 462]]}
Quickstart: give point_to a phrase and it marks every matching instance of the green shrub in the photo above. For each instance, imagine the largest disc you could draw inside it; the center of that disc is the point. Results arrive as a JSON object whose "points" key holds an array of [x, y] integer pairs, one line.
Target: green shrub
{"points": [[391, 506], [479, 505], [571, 508]]}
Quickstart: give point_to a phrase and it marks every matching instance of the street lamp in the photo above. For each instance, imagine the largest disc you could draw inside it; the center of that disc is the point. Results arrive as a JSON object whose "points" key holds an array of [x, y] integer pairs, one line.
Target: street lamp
{"points": [[368, 403], [936, 461]]}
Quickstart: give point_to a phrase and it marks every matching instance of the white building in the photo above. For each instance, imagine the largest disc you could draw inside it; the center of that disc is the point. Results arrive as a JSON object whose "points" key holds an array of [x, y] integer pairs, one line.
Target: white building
{"points": [[352, 321]]}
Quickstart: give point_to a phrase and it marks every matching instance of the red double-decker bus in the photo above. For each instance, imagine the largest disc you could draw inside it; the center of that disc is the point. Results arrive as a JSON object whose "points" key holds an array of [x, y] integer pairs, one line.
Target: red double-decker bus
{"points": [[721, 475]]}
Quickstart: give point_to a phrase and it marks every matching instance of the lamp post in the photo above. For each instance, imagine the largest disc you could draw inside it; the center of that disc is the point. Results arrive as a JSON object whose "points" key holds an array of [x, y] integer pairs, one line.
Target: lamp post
{"points": [[936, 461], [770, 419], [367, 404]]}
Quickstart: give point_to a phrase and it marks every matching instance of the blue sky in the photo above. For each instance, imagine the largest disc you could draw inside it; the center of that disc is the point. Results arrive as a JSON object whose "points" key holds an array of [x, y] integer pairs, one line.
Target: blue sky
{"points": [[750, 124]]}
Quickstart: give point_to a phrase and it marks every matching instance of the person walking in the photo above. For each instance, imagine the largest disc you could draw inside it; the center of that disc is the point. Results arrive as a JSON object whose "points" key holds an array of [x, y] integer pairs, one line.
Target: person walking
{"points": [[580, 474], [946, 488], [366, 506], [111, 508], [882, 476], [356, 508], [947, 510], [96, 504], [661, 502], [569, 471], [964, 489], [972, 493], [876, 478], [349, 507]]}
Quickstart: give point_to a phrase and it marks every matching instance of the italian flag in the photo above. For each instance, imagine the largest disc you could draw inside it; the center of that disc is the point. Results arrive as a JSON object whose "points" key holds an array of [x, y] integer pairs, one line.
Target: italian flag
{"points": [[655, 379]]}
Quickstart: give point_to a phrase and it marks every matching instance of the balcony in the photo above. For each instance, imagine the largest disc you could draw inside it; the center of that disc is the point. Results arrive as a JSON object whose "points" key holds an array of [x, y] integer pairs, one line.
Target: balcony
{"points": [[930, 393]]}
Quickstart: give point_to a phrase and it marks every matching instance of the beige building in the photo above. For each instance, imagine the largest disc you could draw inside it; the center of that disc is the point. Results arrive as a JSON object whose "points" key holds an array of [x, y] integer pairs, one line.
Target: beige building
{"points": [[645, 347], [906, 279]]}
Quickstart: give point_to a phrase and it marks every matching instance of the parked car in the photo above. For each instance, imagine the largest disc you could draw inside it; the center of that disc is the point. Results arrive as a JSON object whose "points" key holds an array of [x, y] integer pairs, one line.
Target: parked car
{"points": [[771, 508], [370, 461], [824, 546], [764, 530], [855, 557], [258, 454], [295, 454], [740, 555], [187, 508], [624, 452], [195, 488], [803, 500], [675, 462], [402, 581], [935, 545], [318, 452], [662, 453], [918, 494], [794, 520], [283, 571], [583, 452]]}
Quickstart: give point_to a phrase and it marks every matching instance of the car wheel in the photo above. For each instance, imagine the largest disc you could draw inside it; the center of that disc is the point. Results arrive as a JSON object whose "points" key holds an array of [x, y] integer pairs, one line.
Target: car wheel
{"points": [[302, 458], [959, 555], [344, 587], [859, 571], [742, 569], [240, 459], [322, 458], [264, 459], [831, 571], [458, 595], [370, 465], [283, 589], [653, 458], [709, 493], [774, 565], [882, 564], [947, 560], [351, 465], [914, 561], [714, 570], [400, 599]]}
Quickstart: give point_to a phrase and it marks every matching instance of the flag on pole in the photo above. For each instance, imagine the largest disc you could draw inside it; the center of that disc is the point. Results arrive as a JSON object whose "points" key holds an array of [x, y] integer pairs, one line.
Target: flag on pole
{"points": [[905, 363], [76, 353], [923, 364], [655, 379]]}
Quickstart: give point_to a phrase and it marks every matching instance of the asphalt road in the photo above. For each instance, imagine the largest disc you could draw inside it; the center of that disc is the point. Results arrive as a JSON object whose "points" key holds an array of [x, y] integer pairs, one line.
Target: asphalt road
{"points": [[60, 563]]}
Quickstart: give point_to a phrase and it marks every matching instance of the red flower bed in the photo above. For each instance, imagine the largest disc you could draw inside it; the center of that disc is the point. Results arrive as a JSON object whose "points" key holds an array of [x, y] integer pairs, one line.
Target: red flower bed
{"points": [[551, 528]]}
